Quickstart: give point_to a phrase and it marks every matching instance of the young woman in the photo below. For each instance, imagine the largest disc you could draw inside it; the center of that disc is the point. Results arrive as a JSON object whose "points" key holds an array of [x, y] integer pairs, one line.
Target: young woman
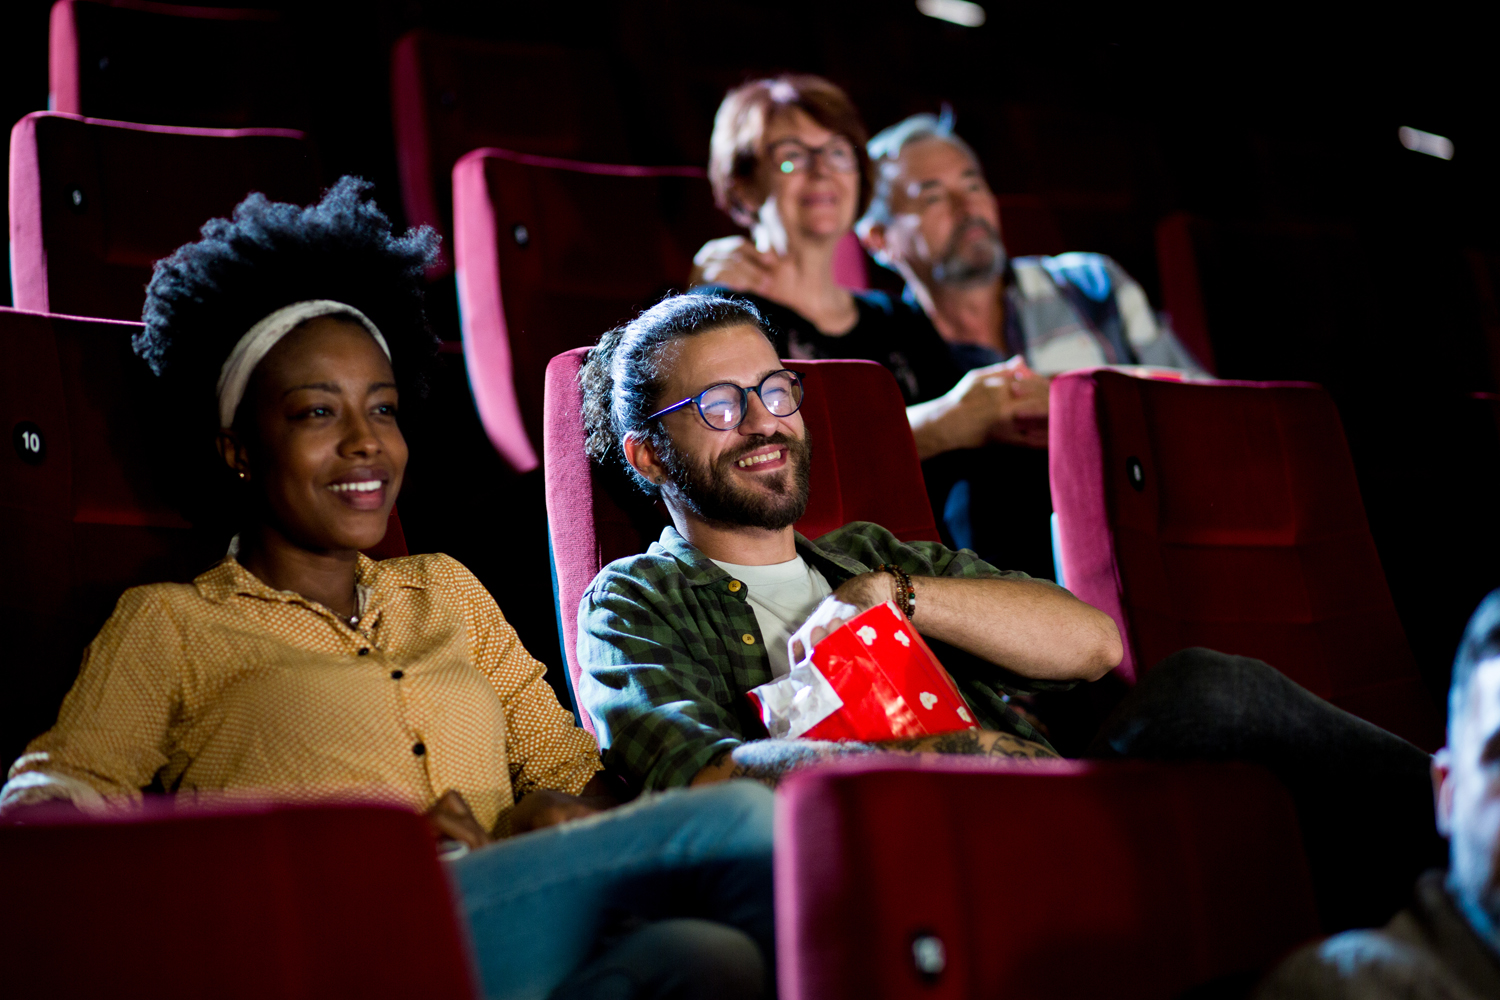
{"points": [[298, 669]]}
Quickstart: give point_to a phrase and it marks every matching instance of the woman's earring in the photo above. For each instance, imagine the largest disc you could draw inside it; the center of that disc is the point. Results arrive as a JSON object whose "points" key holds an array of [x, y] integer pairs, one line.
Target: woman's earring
{"points": [[243, 475]]}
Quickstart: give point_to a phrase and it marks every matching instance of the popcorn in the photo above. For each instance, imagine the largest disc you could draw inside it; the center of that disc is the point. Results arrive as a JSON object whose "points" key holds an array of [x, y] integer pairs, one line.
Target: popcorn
{"points": [[872, 679]]}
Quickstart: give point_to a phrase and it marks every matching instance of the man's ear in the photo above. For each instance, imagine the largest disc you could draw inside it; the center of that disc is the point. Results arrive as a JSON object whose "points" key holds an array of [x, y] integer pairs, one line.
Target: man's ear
{"points": [[1442, 790], [641, 454], [872, 238], [232, 451]]}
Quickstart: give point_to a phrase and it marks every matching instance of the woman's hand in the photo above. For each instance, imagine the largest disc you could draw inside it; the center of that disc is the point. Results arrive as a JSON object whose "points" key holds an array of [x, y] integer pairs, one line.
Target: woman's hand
{"points": [[452, 818], [854, 597], [548, 807], [735, 263]]}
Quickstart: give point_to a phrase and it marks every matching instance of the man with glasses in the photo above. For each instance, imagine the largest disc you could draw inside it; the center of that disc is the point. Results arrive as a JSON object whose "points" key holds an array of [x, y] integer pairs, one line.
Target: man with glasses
{"points": [[691, 401], [692, 397]]}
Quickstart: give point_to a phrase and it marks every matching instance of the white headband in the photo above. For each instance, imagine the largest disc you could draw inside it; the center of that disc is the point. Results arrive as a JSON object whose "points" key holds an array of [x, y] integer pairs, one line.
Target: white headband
{"points": [[256, 344]]}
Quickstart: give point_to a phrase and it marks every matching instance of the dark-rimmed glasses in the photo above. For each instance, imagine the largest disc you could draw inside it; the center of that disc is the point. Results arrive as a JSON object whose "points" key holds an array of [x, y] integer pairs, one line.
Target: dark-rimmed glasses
{"points": [[796, 156], [723, 405]]}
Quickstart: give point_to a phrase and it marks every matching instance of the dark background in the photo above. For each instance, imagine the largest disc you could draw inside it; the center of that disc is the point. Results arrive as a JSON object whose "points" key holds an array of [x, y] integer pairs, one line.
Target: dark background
{"points": [[1337, 255]]}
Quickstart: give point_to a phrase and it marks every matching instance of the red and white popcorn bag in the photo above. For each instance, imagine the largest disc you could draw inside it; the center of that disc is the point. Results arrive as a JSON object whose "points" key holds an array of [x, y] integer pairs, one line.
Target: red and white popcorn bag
{"points": [[872, 679]]}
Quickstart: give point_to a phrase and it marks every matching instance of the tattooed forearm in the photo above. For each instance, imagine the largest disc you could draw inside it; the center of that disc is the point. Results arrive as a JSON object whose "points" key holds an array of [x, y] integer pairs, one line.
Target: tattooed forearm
{"points": [[768, 761], [974, 743]]}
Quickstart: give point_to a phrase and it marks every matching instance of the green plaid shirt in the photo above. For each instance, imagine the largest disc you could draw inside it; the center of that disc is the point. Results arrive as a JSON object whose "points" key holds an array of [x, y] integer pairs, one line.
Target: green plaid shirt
{"points": [[669, 645]]}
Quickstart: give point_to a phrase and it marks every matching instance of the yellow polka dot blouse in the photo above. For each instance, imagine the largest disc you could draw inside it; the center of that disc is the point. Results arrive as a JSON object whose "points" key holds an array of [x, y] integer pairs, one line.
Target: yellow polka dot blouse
{"points": [[226, 687]]}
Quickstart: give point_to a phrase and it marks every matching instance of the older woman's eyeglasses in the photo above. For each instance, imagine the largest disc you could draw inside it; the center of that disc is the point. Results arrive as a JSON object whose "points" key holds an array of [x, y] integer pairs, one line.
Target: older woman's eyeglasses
{"points": [[795, 156], [723, 405]]}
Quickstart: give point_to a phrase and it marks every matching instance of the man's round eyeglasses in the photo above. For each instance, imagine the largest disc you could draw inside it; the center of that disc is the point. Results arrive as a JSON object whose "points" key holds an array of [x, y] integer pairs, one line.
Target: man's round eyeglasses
{"points": [[724, 404], [796, 156]]}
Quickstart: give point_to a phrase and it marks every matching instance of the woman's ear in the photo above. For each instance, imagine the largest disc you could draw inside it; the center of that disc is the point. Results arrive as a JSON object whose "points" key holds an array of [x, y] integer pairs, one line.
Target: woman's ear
{"points": [[641, 454], [232, 451]]}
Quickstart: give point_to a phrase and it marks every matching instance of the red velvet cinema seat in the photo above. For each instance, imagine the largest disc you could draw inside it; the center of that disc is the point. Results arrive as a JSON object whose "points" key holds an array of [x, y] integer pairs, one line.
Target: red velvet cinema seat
{"points": [[1053, 881], [144, 61], [246, 902], [1227, 515], [550, 254], [453, 95], [865, 468], [93, 204], [83, 513]]}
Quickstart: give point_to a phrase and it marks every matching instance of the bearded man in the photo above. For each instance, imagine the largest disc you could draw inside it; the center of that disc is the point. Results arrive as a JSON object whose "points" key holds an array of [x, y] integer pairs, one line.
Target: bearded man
{"points": [[691, 401]]}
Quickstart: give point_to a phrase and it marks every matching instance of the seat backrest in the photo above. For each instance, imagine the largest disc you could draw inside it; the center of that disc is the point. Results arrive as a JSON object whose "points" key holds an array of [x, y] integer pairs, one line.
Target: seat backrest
{"points": [[142, 61], [272, 902], [1181, 287], [597, 515], [1227, 515], [93, 204], [1028, 228], [451, 95], [82, 514], [1053, 881], [550, 254]]}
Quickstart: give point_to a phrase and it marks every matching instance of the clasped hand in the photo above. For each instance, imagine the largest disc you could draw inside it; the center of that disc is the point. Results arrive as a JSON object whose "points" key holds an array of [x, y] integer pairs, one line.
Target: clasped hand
{"points": [[856, 596], [451, 816], [1005, 403]]}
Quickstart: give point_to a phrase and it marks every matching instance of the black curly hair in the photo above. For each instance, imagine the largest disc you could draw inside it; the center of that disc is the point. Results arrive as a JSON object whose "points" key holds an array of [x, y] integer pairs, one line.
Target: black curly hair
{"points": [[207, 294], [622, 376]]}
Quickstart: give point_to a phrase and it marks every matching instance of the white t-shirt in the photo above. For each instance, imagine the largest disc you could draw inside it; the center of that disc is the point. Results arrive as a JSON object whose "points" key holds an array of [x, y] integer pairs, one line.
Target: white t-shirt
{"points": [[782, 596]]}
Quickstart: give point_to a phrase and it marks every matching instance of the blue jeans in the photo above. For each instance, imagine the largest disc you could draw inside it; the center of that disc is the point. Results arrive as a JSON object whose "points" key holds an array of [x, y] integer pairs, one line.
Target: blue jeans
{"points": [[592, 901]]}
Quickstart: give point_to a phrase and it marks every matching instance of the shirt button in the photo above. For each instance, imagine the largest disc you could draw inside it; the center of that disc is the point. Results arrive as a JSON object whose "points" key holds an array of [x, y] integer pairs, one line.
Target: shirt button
{"points": [[396, 675], [364, 651], [734, 586], [419, 749], [749, 639]]}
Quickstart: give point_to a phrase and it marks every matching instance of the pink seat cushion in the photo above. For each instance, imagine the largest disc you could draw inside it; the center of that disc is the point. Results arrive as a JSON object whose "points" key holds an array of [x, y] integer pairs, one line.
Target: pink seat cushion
{"points": [[248, 902], [93, 204], [1228, 515], [864, 468], [1058, 880]]}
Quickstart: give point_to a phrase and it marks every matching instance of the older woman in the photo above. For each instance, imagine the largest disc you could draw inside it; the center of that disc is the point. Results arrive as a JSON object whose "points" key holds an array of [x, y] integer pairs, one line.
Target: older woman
{"points": [[788, 162], [299, 669]]}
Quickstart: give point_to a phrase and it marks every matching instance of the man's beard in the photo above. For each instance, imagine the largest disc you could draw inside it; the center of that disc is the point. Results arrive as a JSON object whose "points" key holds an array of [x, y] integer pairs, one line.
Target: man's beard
{"points": [[710, 492], [976, 262]]}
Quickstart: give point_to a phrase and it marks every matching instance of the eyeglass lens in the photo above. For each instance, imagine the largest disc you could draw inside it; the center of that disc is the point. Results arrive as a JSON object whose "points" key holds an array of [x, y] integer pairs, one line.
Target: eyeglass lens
{"points": [[837, 154], [723, 406]]}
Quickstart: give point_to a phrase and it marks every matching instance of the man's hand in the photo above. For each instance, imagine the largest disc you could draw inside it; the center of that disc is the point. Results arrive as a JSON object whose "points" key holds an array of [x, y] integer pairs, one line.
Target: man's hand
{"points": [[1005, 403], [857, 595], [547, 807], [451, 817], [735, 263]]}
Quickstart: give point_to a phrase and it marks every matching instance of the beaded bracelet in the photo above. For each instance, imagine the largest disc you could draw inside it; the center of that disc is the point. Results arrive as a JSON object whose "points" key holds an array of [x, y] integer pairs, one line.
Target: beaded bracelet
{"points": [[906, 594]]}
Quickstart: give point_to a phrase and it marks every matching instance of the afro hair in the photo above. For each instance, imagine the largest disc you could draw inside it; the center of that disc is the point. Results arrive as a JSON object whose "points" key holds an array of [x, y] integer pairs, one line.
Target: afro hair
{"points": [[204, 297]]}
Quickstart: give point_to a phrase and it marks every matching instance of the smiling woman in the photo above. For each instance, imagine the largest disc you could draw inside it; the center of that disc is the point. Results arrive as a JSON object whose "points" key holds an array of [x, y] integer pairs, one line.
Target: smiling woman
{"points": [[298, 669]]}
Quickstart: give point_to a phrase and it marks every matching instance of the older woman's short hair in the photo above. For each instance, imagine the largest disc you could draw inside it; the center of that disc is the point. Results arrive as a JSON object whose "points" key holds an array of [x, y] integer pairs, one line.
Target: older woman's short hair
{"points": [[885, 149], [739, 127]]}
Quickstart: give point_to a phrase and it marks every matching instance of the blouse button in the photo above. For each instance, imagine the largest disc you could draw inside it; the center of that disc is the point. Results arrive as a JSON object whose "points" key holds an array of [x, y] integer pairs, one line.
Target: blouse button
{"points": [[396, 675], [748, 638], [734, 586], [419, 749], [364, 651]]}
